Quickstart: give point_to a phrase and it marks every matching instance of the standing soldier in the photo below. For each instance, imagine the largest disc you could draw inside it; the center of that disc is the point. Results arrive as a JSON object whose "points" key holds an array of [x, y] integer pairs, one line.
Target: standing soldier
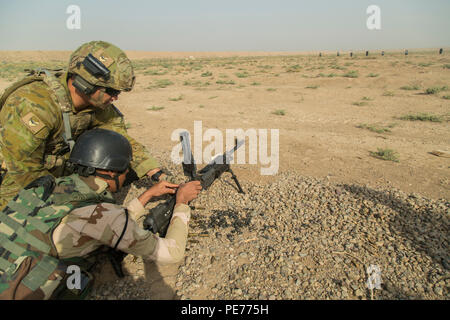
{"points": [[54, 224], [43, 114]]}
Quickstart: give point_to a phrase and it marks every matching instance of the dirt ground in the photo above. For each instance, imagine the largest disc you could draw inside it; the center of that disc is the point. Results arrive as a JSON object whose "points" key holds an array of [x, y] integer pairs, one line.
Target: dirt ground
{"points": [[317, 103]]}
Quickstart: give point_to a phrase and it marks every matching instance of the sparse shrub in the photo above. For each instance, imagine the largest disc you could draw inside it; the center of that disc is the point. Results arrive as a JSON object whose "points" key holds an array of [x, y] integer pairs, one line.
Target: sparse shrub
{"points": [[421, 117], [163, 83], [372, 75], [388, 94], [155, 108], [360, 103], [271, 89], [294, 68], [230, 82], [180, 97], [196, 83], [336, 67], [241, 75], [312, 87], [385, 154], [414, 87], [265, 67], [330, 75], [376, 128], [207, 74], [434, 90], [425, 64], [279, 112], [351, 74], [155, 72]]}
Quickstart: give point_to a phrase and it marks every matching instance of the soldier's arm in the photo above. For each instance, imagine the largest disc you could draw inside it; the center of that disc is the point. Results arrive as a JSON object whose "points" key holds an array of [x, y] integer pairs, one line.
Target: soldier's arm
{"points": [[110, 118], [26, 120], [107, 221]]}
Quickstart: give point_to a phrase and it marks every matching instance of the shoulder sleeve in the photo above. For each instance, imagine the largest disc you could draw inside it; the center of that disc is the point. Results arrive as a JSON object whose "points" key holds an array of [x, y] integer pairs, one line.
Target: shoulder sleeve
{"points": [[107, 221], [110, 118], [26, 120], [171, 248]]}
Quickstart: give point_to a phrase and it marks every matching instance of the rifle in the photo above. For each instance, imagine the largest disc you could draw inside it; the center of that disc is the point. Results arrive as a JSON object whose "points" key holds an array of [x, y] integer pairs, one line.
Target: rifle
{"points": [[158, 219]]}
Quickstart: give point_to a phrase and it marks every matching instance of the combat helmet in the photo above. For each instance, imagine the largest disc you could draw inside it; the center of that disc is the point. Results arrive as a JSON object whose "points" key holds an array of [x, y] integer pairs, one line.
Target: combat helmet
{"points": [[100, 149], [102, 64]]}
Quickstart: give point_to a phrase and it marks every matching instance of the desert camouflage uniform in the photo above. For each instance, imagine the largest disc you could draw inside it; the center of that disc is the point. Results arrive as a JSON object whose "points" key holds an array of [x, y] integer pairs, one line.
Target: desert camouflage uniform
{"points": [[31, 142], [85, 223]]}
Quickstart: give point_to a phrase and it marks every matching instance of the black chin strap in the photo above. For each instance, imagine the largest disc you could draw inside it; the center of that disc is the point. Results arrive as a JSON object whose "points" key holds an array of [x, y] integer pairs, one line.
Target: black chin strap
{"points": [[107, 177]]}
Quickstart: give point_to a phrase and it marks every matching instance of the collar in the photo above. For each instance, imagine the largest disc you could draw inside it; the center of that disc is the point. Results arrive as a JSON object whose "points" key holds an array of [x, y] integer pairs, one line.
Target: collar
{"points": [[96, 184]]}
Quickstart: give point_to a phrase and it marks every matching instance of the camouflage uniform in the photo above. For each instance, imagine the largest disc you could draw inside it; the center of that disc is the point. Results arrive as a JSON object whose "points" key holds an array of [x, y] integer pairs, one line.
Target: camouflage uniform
{"points": [[32, 126], [85, 220]]}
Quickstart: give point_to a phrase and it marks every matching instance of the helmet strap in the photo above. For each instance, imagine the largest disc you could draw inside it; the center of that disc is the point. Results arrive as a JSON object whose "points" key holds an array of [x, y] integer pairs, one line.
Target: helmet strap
{"points": [[98, 102]]}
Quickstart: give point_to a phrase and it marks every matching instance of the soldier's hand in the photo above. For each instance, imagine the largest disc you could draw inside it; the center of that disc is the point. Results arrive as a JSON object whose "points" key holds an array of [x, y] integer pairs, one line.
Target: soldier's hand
{"points": [[157, 190], [163, 187], [188, 192]]}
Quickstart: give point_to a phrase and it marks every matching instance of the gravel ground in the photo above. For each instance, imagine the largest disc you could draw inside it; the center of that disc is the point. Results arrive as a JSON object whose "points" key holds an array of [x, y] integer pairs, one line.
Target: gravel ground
{"points": [[297, 238]]}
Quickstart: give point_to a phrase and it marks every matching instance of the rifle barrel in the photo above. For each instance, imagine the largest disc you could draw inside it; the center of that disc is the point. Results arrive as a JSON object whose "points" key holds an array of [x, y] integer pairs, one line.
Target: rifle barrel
{"points": [[227, 155]]}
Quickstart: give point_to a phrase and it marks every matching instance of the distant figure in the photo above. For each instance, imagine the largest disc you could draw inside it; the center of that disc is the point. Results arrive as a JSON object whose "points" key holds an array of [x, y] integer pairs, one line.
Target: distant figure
{"points": [[338, 53], [441, 51], [320, 54], [367, 53], [382, 53], [406, 52], [351, 54]]}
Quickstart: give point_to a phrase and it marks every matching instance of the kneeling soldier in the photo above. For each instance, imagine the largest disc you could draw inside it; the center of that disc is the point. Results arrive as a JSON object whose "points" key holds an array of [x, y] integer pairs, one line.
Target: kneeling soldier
{"points": [[52, 221]]}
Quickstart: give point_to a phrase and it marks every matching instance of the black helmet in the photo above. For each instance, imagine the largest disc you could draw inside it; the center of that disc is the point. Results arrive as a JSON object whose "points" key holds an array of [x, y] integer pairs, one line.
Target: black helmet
{"points": [[101, 149]]}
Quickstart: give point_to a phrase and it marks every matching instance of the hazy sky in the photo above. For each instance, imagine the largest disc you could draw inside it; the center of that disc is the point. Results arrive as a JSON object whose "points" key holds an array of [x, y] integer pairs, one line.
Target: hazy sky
{"points": [[226, 25]]}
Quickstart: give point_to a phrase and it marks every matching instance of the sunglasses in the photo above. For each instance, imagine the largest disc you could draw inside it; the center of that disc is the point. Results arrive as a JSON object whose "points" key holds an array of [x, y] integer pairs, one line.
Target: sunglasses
{"points": [[110, 91]]}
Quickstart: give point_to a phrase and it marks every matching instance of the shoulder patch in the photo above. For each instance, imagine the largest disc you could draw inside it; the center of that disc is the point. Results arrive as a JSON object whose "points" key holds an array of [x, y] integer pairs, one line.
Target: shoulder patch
{"points": [[103, 57], [33, 122]]}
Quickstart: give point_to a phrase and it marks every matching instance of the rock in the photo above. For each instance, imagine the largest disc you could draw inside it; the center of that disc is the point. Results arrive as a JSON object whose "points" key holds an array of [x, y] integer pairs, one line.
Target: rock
{"points": [[438, 290], [288, 232]]}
